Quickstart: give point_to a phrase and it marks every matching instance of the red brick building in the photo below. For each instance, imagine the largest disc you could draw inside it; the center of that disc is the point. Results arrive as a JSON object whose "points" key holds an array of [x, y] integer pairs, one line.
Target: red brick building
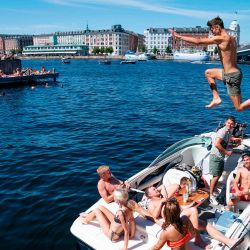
{"points": [[198, 32]]}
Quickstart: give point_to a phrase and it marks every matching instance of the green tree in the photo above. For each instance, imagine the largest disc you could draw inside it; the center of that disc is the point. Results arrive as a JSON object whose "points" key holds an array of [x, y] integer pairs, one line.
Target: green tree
{"points": [[96, 50], [155, 50], [143, 49], [205, 49], [102, 50], [168, 50], [109, 50]]}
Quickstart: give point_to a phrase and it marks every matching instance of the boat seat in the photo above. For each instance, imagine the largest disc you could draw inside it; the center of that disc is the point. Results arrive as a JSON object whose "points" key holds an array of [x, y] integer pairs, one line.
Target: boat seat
{"points": [[240, 204], [173, 176]]}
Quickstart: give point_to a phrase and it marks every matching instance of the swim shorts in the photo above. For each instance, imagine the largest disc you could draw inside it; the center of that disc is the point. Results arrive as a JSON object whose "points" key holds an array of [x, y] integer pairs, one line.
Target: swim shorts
{"points": [[242, 198], [232, 81], [216, 165]]}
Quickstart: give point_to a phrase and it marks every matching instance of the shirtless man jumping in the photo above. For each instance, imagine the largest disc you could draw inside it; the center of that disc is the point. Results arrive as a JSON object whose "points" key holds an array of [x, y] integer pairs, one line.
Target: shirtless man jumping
{"points": [[231, 75]]}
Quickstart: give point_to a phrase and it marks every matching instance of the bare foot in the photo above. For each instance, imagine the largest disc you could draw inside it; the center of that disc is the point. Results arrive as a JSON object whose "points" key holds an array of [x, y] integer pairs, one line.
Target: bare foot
{"points": [[213, 103], [83, 218]]}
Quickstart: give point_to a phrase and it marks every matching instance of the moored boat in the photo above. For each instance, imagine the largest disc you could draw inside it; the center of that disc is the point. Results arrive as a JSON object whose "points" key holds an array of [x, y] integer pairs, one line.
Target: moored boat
{"points": [[168, 168], [128, 62], [105, 62], [191, 55]]}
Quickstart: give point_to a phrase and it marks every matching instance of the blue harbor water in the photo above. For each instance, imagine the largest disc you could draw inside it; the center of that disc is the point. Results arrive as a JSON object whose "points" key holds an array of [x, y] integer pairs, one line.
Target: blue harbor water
{"points": [[54, 137]]}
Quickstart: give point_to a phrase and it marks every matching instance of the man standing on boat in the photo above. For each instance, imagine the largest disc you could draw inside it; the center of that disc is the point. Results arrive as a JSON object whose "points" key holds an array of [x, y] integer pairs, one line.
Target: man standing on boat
{"points": [[231, 75], [218, 153]]}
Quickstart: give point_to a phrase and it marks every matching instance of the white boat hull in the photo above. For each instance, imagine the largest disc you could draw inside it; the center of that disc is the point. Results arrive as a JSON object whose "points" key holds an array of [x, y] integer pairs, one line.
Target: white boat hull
{"points": [[197, 56]]}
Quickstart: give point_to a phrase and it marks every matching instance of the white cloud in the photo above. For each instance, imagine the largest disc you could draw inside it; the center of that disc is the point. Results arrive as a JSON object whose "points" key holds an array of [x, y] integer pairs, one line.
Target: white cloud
{"points": [[149, 5]]}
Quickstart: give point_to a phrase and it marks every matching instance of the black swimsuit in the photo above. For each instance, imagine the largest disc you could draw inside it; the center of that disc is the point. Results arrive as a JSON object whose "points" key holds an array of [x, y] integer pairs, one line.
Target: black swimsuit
{"points": [[118, 221]]}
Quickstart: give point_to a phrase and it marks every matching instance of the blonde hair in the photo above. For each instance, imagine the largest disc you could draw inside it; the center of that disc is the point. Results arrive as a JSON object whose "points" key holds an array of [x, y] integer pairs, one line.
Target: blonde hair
{"points": [[102, 169], [121, 194]]}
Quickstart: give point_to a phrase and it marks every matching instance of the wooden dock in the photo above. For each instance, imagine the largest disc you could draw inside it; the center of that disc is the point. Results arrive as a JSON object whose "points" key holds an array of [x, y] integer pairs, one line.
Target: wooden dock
{"points": [[11, 80]]}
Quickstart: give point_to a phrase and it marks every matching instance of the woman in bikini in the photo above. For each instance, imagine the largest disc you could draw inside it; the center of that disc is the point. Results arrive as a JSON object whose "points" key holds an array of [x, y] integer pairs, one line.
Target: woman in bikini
{"points": [[114, 226], [176, 230]]}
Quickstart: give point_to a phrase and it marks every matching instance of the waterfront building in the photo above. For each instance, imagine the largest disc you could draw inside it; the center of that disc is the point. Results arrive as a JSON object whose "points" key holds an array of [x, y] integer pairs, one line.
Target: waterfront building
{"points": [[233, 30], [2, 45], [158, 38], [198, 32], [119, 39], [56, 50], [14, 42], [71, 37], [45, 39]]}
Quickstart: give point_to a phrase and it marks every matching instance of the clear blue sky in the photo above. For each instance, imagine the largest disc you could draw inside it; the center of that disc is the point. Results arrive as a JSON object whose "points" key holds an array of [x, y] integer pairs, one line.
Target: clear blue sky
{"points": [[47, 16]]}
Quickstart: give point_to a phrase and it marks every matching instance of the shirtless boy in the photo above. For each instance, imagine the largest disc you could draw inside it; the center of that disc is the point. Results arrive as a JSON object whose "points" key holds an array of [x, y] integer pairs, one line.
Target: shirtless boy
{"points": [[230, 74]]}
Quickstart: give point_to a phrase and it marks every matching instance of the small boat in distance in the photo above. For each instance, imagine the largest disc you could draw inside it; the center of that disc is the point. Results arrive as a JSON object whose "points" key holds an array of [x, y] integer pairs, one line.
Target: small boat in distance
{"points": [[105, 62], [189, 55], [130, 55], [128, 62], [65, 60]]}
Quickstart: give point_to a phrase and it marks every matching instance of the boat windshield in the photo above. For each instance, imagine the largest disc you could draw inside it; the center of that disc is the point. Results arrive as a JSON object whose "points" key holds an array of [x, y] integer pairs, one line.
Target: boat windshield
{"points": [[204, 141]]}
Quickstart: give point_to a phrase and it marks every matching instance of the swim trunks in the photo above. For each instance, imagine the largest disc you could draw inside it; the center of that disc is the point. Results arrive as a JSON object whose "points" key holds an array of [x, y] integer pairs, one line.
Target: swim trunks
{"points": [[216, 165], [232, 81], [242, 198]]}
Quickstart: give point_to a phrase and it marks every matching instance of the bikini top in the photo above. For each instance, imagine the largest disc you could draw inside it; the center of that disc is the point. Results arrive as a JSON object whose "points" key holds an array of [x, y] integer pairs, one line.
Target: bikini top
{"points": [[175, 244], [116, 218]]}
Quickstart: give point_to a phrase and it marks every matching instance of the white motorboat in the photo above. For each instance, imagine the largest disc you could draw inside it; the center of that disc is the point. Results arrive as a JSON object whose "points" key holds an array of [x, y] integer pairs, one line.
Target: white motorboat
{"points": [[191, 55], [168, 168], [130, 55]]}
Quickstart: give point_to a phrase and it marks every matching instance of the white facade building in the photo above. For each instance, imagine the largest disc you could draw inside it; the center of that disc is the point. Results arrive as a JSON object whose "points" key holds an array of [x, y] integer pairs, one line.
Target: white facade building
{"points": [[119, 39], [158, 38]]}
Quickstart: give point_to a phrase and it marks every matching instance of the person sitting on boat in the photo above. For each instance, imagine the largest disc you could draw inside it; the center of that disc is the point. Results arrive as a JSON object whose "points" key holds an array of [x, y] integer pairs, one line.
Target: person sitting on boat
{"points": [[241, 190], [18, 72], [2, 73], [108, 183], [43, 70], [156, 204], [177, 230], [114, 225]]}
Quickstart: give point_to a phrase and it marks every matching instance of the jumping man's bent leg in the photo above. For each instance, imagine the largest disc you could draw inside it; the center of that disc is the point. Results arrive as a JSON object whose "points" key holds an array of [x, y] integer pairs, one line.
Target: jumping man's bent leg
{"points": [[212, 75]]}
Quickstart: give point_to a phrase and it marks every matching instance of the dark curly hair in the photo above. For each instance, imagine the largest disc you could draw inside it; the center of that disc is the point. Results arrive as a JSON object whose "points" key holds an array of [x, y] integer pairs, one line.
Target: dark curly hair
{"points": [[216, 21]]}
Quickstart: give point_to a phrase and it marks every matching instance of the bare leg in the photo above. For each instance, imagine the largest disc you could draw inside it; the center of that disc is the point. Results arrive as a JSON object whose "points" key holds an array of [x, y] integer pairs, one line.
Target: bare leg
{"points": [[212, 75], [213, 183], [238, 104], [192, 214], [215, 234], [85, 218]]}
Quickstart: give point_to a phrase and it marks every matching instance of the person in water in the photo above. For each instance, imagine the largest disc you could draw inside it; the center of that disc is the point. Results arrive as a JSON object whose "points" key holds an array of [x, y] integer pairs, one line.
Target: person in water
{"points": [[231, 75], [177, 230], [114, 225]]}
